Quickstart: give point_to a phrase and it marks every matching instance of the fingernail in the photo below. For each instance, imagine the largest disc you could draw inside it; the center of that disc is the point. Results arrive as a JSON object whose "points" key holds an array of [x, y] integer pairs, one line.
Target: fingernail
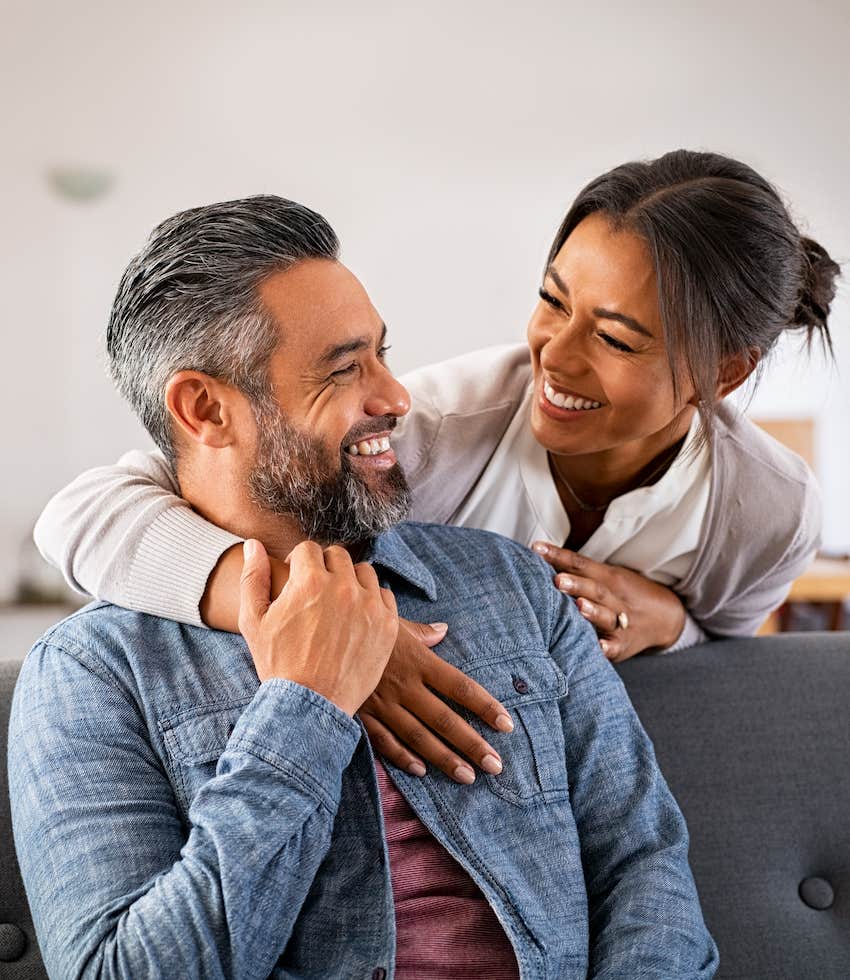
{"points": [[416, 769], [565, 582], [540, 547], [491, 764], [585, 606], [249, 549], [439, 627], [463, 774], [503, 723]]}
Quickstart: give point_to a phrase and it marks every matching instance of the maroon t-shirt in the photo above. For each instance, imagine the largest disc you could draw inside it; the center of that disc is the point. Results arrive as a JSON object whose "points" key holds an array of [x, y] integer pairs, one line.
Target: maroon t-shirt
{"points": [[445, 926]]}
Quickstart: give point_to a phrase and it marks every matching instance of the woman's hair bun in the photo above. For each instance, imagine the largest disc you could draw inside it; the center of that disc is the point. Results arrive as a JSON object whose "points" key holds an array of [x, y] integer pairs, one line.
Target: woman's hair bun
{"points": [[820, 271]]}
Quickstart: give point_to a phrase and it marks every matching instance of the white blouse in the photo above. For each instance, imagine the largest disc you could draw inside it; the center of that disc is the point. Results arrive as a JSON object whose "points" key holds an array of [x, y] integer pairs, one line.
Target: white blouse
{"points": [[653, 530]]}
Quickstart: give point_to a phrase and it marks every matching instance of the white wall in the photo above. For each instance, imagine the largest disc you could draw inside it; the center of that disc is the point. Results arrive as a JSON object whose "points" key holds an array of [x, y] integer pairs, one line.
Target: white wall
{"points": [[443, 141]]}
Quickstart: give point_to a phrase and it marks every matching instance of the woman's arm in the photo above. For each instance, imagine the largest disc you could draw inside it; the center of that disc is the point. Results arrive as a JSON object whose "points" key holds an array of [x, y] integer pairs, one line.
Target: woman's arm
{"points": [[122, 533]]}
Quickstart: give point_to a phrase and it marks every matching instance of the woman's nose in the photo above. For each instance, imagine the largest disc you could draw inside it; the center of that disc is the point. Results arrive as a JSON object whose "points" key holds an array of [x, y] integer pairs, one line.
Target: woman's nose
{"points": [[561, 352]]}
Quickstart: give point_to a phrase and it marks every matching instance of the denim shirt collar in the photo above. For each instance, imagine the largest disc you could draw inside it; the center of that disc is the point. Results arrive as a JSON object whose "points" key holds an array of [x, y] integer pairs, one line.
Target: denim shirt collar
{"points": [[390, 551]]}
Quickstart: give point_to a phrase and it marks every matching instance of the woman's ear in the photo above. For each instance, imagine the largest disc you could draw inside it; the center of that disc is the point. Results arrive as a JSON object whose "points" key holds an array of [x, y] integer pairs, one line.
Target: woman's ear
{"points": [[734, 371], [202, 408]]}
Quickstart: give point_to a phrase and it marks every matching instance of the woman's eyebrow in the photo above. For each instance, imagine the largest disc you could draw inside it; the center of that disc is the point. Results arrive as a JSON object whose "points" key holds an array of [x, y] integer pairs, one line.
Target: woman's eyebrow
{"points": [[598, 311], [627, 321], [552, 272]]}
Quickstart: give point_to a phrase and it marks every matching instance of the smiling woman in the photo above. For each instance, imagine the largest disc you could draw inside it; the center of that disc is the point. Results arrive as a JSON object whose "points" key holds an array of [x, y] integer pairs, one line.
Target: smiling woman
{"points": [[612, 450]]}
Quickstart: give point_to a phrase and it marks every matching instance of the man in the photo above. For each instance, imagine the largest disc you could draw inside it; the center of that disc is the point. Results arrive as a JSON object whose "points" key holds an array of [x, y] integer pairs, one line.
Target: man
{"points": [[187, 804]]}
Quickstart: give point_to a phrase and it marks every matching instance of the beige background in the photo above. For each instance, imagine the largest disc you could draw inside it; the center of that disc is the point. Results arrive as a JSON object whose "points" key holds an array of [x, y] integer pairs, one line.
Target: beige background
{"points": [[443, 141]]}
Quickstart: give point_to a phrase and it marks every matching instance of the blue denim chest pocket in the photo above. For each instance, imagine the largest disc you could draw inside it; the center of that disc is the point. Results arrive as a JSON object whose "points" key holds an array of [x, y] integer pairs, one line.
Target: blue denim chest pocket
{"points": [[530, 685], [194, 739]]}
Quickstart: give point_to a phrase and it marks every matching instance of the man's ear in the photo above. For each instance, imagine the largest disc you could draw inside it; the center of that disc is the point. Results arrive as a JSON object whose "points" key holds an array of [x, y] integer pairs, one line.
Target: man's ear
{"points": [[734, 371], [202, 408]]}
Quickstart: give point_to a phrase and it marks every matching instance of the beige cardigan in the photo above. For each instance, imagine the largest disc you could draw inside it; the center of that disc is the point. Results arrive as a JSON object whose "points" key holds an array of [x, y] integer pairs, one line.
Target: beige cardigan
{"points": [[120, 532]]}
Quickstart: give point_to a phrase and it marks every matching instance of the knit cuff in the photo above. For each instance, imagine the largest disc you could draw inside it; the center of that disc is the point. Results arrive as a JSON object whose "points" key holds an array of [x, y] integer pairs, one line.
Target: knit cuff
{"points": [[692, 634], [169, 572]]}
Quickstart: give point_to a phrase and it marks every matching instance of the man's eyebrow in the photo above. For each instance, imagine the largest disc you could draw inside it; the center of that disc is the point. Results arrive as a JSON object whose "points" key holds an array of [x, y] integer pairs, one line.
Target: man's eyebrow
{"points": [[598, 311], [337, 351]]}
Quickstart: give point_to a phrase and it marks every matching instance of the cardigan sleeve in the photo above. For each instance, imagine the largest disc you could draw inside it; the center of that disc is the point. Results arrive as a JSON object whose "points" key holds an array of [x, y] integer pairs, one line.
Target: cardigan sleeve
{"points": [[123, 534]]}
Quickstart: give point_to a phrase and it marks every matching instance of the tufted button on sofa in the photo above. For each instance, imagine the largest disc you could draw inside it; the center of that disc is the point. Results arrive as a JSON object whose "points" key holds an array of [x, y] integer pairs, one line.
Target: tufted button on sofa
{"points": [[754, 739]]}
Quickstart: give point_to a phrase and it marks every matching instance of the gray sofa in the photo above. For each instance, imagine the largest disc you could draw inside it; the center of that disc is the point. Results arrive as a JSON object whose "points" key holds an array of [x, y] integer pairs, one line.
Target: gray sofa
{"points": [[754, 738]]}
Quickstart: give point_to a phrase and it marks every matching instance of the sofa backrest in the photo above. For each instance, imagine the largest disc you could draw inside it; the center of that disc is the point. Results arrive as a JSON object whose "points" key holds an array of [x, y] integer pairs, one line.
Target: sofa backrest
{"points": [[753, 737], [19, 955]]}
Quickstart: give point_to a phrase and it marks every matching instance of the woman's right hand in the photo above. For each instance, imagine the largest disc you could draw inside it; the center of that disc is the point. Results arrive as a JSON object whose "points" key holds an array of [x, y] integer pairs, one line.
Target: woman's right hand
{"points": [[406, 721], [410, 725]]}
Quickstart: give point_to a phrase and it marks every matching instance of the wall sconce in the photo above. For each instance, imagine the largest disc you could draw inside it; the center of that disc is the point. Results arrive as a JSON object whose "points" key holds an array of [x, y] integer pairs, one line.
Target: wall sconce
{"points": [[79, 184]]}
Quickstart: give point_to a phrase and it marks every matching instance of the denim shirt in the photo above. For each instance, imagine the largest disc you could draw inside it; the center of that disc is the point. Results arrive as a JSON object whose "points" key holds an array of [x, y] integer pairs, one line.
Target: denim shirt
{"points": [[175, 818]]}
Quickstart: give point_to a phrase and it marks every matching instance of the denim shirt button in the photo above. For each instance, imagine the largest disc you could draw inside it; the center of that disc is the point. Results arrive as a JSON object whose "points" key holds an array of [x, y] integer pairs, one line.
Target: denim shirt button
{"points": [[520, 685], [379, 973]]}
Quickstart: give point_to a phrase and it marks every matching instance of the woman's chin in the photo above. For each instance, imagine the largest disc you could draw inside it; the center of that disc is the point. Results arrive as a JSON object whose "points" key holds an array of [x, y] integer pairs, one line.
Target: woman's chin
{"points": [[561, 435]]}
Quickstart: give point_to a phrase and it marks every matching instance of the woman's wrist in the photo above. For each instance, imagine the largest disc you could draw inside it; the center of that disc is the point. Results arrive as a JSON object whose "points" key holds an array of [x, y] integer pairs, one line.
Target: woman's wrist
{"points": [[219, 606]]}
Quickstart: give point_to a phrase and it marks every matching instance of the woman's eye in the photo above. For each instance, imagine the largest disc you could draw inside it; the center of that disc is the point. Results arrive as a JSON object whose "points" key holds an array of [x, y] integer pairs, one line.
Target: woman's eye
{"points": [[549, 299], [383, 351], [616, 344]]}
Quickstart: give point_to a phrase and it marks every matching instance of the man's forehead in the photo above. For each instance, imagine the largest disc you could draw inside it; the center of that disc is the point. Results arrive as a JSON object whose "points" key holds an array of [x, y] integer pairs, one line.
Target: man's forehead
{"points": [[319, 303]]}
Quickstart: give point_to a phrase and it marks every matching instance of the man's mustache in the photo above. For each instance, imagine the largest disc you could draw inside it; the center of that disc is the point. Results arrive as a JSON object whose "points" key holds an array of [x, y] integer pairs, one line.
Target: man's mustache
{"points": [[369, 428]]}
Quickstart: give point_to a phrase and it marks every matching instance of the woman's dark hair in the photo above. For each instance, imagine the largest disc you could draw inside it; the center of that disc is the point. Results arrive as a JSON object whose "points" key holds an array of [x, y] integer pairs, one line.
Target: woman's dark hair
{"points": [[733, 271]]}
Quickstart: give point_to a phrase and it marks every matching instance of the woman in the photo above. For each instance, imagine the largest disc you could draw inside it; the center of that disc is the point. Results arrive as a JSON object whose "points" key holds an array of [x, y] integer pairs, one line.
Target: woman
{"points": [[665, 513]]}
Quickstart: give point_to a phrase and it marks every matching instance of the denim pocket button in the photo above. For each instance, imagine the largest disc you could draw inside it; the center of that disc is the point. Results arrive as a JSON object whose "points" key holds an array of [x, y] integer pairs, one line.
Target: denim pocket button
{"points": [[520, 685]]}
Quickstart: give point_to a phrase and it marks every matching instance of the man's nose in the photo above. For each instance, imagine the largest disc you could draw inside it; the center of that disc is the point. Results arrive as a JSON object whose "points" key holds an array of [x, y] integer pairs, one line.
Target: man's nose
{"points": [[388, 396]]}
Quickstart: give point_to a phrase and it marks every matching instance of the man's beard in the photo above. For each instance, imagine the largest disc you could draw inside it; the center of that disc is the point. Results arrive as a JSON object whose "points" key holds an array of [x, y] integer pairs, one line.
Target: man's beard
{"points": [[296, 476]]}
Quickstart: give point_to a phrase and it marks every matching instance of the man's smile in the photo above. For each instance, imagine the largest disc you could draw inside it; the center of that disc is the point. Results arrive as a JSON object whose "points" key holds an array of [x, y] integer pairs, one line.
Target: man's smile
{"points": [[373, 452]]}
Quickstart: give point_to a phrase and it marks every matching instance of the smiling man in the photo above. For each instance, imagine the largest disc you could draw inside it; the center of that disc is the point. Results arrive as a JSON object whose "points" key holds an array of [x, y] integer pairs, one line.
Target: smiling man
{"points": [[189, 803]]}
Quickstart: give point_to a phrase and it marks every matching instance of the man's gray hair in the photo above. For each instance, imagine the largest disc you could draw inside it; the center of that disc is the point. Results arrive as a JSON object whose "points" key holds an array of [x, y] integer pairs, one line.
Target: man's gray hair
{"points": [[190, 300]]}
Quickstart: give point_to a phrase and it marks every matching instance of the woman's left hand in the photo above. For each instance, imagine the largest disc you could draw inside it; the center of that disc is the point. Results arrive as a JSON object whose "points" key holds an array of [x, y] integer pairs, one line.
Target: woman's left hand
{"points": [[630, 612]]}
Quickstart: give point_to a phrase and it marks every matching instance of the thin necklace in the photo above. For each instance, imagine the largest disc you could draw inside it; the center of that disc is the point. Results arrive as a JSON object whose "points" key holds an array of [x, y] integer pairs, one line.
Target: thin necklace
{"points": [[594, 508]]}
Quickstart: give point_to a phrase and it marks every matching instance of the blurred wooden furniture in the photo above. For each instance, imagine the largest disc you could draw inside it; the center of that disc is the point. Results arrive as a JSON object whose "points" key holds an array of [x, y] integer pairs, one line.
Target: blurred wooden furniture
{"points": [[827, 581], [797, 434]]}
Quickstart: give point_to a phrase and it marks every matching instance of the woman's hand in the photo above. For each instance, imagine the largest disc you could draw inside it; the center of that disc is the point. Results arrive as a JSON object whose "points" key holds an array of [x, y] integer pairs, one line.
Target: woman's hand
{"points": [[630, 612], [408, 723]]}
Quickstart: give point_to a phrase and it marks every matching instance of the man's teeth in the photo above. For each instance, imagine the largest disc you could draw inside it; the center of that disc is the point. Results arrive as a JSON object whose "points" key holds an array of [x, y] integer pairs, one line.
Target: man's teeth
{"points": [[369, 447], [561, 400]]}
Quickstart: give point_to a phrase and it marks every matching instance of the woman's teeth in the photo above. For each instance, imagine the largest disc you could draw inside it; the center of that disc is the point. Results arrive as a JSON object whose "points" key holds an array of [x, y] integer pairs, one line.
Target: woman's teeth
{"points": [[369, 447], [560, 400]]}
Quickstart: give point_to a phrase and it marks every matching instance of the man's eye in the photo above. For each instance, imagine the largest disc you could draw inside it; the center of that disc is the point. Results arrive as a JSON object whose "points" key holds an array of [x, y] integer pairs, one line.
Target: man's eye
{"points": [[345, 372], [616, 344], [383, 351]]}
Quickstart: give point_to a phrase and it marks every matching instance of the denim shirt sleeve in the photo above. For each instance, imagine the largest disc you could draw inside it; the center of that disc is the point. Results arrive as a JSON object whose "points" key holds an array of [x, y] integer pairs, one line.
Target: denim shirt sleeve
{"points": [[118, 885], [645, 916]]}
